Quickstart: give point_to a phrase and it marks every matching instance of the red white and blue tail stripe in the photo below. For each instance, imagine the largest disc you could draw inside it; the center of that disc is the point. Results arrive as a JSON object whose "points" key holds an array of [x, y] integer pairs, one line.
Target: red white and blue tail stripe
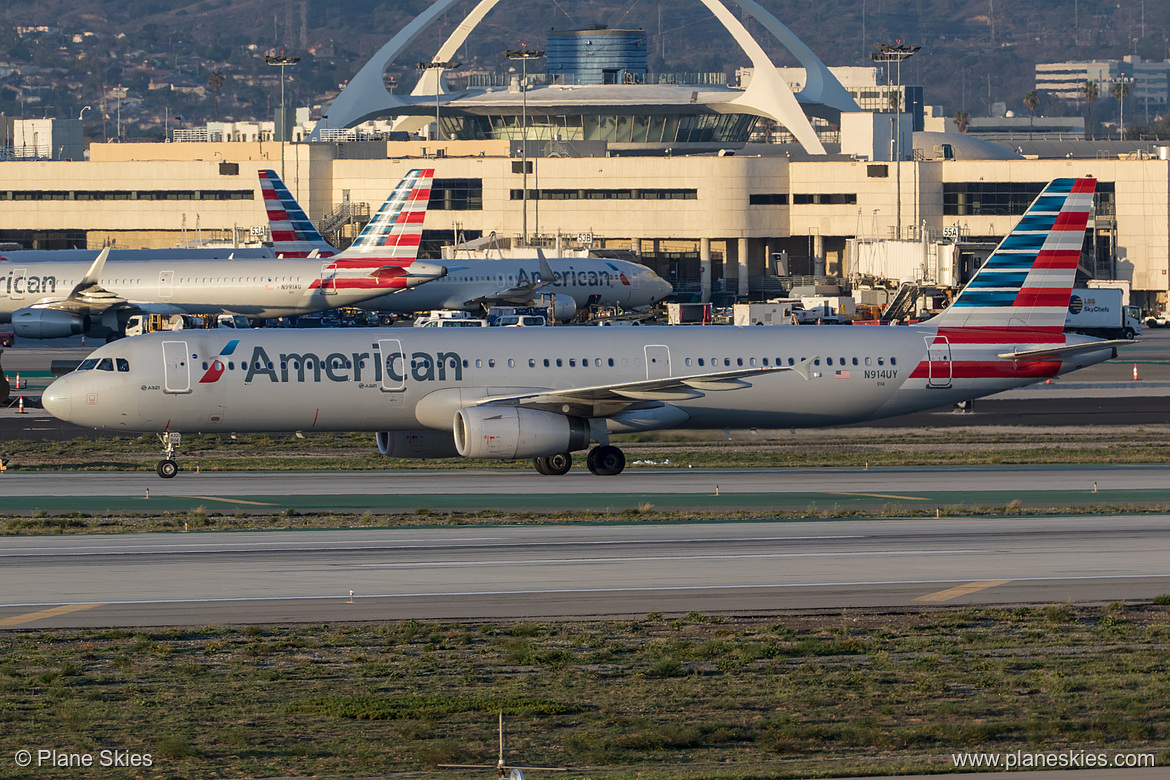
{"points": [[293, 234], [395, 232], [1029, 278]]}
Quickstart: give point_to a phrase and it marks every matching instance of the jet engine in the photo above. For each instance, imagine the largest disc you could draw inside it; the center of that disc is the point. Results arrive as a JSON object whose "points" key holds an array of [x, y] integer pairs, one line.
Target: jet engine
{"points": [[416, 444], [563, 306], [506, 432], [47, 323]]}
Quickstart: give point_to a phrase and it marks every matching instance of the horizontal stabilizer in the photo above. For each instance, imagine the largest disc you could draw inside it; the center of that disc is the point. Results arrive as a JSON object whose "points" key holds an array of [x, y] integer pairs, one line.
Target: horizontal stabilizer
{"points": [[1058, 350]]}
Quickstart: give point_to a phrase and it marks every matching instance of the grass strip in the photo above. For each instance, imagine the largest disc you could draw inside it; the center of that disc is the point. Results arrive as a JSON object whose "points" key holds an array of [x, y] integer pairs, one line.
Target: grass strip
{"points": [[668, 696]]}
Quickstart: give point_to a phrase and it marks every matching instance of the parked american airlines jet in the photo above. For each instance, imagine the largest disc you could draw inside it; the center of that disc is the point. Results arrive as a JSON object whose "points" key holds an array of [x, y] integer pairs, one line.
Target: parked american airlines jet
{"points": [[545, 393], [55, 299], [567, 283]]}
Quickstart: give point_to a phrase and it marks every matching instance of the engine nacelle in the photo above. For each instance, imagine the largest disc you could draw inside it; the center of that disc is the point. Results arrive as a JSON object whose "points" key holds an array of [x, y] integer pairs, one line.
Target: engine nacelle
{"points": [[507, 432], [563, 307], [46, 323], [416, 444]]}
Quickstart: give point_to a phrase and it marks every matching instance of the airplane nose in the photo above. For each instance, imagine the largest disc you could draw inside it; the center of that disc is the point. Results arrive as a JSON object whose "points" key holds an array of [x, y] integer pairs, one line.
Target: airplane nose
{"points": [[420, 273], [57, 399]]}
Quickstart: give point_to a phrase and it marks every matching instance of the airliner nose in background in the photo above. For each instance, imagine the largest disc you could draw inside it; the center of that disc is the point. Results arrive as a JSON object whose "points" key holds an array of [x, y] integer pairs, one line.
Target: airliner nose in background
{"points": [[545, 393]]}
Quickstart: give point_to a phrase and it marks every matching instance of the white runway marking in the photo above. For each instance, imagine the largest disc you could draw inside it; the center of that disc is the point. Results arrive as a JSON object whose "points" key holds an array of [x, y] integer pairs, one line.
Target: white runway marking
{"points": [[656, 588], [644, 559], [172, 549]]}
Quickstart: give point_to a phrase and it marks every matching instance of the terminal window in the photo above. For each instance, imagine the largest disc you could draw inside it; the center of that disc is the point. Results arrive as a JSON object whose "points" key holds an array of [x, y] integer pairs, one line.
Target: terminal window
{"points": [[456, 195], [824, 199]]}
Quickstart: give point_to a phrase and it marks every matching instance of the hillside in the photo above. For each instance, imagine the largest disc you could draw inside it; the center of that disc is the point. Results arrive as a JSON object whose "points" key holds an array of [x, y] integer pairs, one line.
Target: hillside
{"points": [[973, 53]]}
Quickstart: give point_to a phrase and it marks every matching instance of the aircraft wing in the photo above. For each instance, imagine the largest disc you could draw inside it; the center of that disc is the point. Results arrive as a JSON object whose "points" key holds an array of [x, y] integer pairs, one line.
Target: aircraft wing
{"points": [[604, 400], [520, 294], [1061, 350], [87, 296]]}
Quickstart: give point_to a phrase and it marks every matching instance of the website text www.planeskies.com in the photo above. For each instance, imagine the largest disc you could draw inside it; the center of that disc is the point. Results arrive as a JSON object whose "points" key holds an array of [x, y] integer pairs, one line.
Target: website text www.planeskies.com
{"points": [[1067, 759]]}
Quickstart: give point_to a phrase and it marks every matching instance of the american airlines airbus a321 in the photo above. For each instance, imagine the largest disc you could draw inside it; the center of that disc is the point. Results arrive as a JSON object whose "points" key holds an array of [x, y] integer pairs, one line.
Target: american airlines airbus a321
{"points": [[545, 393], [52, 299]]}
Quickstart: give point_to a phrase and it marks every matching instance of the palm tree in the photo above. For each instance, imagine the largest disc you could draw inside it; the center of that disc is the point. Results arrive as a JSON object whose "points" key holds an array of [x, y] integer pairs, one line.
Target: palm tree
{"points": [[1031, 102], [962, 121], [1120, 90], [215, 84], [1091, 93]]}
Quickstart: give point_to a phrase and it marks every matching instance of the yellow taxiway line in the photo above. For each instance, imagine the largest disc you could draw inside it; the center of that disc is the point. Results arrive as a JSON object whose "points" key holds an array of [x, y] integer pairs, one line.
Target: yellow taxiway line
{"points": [[28, 617], [962, 590]]}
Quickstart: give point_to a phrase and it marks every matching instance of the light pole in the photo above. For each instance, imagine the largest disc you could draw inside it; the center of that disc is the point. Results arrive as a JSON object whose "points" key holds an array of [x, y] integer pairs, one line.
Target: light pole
{"points": [[281, 60], [524, 55], [440, 66], [121, 92], [887, 53]]}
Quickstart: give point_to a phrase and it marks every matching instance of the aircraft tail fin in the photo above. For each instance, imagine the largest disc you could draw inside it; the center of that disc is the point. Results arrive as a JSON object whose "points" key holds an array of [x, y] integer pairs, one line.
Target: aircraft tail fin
{"points": [[395, 232], [1028, 279], [293, 233]]}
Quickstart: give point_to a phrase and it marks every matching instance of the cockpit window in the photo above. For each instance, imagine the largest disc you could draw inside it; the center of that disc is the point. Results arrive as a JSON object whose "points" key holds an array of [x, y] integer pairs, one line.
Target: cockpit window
{"points": [[87, 364], [123, 364], [106, 364]]}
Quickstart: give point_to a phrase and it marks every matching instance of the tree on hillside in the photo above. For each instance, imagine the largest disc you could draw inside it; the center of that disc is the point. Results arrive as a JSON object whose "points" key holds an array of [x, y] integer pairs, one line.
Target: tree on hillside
{"points": [[1031, 102], [1120, 91], [1091, 92], [215, 84], [962, 121]]}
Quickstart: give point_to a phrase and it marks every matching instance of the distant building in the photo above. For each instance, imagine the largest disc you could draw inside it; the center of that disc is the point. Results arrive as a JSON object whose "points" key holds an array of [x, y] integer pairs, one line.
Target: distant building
{"points": [[1066, 80], [41, 139]]}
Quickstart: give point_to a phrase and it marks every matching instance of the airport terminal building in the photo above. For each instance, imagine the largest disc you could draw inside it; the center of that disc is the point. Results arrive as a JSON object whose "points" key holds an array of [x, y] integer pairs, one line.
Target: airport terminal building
{"points": [[665, 173]]}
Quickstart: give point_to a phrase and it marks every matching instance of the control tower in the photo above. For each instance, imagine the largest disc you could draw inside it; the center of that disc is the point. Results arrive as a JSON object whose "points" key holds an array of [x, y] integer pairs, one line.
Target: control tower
{"points": [[597, 55]]}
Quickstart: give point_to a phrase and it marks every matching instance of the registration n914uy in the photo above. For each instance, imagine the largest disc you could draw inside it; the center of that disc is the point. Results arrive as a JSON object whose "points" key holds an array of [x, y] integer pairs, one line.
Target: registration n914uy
{"points": [[545, 393]]}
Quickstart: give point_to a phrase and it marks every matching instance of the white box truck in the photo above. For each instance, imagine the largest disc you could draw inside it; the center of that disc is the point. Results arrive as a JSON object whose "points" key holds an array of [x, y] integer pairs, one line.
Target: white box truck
{"points": [[1100, 312]]}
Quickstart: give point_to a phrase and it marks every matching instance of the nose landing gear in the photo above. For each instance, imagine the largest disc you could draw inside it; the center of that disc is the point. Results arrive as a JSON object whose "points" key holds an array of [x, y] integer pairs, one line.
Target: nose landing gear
{"points": [[167, 467]]}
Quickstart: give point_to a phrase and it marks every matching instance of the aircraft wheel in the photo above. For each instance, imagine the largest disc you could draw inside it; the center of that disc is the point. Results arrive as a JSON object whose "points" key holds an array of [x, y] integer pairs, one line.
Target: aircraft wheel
{"points": [[559, 464], [606, 461], [541, 466], [167, 468]]}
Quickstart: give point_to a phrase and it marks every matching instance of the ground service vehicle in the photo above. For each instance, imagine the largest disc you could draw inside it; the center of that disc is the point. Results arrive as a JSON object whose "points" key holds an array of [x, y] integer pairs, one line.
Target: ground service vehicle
{"points": [[1099, 312]]}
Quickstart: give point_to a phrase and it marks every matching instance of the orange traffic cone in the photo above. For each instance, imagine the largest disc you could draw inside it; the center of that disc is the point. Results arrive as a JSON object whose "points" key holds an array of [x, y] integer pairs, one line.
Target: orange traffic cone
{"points": [[19, 386], [20, 406], [1135, 376]]}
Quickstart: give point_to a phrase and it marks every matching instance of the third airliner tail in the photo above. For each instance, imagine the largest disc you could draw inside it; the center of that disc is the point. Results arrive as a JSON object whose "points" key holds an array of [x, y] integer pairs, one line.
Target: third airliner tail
{"points": [[395, 232]]}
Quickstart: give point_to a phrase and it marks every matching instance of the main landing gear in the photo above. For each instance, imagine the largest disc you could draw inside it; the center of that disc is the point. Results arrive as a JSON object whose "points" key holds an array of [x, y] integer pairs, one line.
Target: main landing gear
{"points": [[167, 467], [554, 465], [604, 461]]}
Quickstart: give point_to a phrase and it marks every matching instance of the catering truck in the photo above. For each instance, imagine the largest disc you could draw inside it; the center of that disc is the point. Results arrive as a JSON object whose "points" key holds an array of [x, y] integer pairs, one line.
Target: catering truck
{"points": [[1100, 312]]}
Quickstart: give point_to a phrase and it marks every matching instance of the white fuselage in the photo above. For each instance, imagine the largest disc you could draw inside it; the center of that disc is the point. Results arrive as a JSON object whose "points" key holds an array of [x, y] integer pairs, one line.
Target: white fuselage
{"points": [[391, 379], [254, 288], [613, 282]]}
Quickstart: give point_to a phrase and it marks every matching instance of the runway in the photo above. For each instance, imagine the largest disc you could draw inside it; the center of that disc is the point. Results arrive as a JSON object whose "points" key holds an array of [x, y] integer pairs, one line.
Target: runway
{"points": [[667, 488], [576, 571]]}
